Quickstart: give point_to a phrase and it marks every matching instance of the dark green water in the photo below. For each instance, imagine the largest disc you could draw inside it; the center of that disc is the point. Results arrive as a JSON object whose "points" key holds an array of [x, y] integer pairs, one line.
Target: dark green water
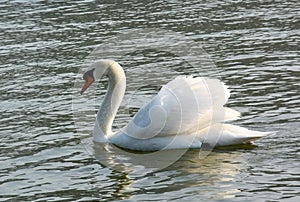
{"points": [[43, 44]]}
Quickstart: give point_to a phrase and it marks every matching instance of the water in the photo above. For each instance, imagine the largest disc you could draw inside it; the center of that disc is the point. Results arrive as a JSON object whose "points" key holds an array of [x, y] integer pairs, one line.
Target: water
{"points": [[254, 45]]}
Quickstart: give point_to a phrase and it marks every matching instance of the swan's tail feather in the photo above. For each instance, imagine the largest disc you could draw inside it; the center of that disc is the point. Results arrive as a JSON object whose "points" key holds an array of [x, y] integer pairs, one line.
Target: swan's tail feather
{"points": [[227, 134], [254, 135]]}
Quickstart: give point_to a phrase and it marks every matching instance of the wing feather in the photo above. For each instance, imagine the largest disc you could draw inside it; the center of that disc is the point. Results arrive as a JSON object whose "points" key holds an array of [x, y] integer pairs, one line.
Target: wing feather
{"points": [[182, 106]]}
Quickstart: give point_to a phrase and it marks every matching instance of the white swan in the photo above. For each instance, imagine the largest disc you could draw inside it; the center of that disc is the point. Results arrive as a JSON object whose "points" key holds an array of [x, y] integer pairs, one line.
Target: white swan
{"points": [[184, 114]]}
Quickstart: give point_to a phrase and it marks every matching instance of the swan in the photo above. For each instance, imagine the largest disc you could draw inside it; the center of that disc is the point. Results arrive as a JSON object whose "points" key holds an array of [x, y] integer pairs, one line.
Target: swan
{"points": [[187, 112]]}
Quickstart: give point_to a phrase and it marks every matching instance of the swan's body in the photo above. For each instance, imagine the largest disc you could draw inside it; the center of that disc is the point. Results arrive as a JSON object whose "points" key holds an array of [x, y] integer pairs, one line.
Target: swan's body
{"points": [[184, 114]]}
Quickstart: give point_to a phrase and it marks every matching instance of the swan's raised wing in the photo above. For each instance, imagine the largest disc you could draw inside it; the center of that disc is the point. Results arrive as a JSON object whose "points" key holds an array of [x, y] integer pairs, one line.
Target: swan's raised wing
{"points": [[183, 106]]}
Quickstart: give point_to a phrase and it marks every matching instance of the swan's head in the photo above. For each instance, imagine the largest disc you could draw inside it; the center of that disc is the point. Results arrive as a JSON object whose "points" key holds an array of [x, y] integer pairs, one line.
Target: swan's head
{"points": [[96, 72]]}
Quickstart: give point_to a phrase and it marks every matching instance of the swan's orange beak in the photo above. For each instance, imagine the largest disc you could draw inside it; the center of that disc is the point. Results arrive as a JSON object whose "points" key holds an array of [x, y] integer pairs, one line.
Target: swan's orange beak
{"points": [[88, 81]]}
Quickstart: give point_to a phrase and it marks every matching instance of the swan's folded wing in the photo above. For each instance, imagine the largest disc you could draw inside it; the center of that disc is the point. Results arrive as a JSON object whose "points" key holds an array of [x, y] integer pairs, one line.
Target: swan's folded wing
{"points": [[182, 106]]}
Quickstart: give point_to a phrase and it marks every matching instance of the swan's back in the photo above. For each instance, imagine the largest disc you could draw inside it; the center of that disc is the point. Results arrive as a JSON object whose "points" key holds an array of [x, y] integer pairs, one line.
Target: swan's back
{"points": [[183, 106]]}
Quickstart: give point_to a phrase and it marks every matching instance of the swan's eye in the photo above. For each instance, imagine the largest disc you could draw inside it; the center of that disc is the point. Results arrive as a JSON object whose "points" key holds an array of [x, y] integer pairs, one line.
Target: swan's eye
{"points": [[88, 74]]}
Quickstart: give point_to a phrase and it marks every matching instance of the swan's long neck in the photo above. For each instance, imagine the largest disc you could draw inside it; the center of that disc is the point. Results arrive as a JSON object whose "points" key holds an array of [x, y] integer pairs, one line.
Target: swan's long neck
{"points": [[111, 102]]}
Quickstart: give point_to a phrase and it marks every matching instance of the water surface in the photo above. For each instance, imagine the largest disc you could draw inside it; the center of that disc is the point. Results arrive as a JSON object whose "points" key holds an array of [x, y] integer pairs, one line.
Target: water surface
{"points": [[254, 45]]}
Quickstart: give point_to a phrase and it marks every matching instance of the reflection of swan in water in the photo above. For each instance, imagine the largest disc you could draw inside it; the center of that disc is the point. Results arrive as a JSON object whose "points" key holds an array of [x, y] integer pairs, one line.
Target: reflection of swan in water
{"points": [[212, 177], [130, 161], [134, 161], [186, 112]]}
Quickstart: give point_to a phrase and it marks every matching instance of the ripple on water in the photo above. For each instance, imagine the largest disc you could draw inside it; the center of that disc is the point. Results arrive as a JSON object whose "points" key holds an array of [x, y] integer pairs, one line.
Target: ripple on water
{"points": [[253, 44]]}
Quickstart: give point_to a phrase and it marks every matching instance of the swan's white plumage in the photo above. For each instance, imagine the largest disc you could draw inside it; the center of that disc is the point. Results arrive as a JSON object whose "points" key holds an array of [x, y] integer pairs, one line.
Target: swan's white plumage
{"points": [[228, 134], [182, 106], [185, 113]]}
